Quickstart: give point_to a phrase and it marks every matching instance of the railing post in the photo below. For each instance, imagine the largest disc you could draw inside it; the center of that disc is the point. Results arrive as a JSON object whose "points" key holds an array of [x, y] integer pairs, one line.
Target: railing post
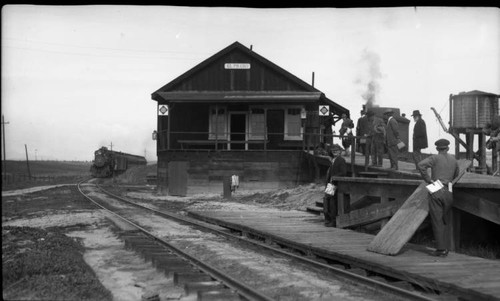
{"points": [[353, 155], [226, 187]]}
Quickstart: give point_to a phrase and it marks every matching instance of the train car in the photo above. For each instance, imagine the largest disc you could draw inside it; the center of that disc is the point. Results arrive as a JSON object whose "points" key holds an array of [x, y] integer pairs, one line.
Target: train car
{"points": [[108, 163]]}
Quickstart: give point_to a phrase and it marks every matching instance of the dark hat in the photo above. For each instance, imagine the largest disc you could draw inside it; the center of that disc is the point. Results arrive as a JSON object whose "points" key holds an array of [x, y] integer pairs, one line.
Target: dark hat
{"points": [[335, 148], [388, 111], [416, 113], [442, 143], [370, 113]]}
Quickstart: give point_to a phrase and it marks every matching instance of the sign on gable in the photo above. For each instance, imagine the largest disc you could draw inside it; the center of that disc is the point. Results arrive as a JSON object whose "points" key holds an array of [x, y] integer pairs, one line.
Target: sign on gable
{"points": [[324, 110], [162, 110], [236, 66]]}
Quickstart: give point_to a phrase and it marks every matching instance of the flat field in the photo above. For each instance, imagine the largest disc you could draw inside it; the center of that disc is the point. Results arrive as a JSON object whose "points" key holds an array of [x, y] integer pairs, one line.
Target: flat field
{"points": [[42, 173]]}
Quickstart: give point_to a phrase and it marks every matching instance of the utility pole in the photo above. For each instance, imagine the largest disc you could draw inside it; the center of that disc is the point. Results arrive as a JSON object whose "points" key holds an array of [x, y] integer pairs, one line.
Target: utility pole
{"points": [[27, 161], [111, 145], [4, 160]]}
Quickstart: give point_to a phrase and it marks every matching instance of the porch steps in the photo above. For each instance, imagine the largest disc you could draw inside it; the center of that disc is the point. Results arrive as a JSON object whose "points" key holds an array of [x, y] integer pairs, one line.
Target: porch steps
{"points": [[318, 209]]}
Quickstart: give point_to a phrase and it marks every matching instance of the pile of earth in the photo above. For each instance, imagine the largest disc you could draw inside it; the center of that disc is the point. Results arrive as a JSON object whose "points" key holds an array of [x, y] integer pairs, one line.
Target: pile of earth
{"points": [[296, 198]]}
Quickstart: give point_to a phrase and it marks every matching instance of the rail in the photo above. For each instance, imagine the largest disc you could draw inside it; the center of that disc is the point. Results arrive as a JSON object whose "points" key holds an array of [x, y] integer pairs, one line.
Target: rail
{"points": [[244, 290], [353, 277]]}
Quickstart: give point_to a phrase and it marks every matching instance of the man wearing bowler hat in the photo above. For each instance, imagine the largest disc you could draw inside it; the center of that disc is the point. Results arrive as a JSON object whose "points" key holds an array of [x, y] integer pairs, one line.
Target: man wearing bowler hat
{"points": [[444, 167], [419, 137], [392, 138]]}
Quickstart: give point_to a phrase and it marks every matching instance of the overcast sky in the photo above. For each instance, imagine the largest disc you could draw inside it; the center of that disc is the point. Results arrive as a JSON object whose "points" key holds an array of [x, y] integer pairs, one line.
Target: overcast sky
{"points": [[75, 78]]}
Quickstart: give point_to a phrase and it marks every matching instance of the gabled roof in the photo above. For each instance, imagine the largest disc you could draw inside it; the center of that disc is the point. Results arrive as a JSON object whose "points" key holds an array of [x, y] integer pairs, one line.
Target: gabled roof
{"points": [[477, 92], [225, 51], [171, 93]]}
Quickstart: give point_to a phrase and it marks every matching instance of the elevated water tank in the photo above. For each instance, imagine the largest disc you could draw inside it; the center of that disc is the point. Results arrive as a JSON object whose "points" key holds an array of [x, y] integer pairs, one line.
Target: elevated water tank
{"points": [[472, 110]]}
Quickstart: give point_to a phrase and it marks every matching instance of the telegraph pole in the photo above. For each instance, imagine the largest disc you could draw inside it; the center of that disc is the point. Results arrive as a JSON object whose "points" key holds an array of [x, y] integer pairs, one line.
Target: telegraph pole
{"points": [[111, 146], [27, 160], [4, 160]]}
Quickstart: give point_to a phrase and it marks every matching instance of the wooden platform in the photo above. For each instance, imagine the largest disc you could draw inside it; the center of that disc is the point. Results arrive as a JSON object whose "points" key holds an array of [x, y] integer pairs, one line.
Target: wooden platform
{"points": [[470, 277], [475, 194]]}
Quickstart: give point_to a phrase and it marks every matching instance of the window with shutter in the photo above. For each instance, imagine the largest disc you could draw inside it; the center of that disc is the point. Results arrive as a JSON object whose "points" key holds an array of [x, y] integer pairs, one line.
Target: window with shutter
{"points": [[293, 124], [218, 123], [257, 123]]}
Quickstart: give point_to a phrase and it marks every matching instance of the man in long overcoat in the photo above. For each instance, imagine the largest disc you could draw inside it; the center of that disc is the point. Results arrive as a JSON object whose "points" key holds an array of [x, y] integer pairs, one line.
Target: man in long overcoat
{"points": [[338, 168], [375, 140], [419, 137], [392, 138], [362, 129]]}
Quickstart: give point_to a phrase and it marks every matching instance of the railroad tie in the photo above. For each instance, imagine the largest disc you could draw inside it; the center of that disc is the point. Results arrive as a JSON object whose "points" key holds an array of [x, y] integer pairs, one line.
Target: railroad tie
{"points": [[194, 287], [226, 295], [183, 278]]}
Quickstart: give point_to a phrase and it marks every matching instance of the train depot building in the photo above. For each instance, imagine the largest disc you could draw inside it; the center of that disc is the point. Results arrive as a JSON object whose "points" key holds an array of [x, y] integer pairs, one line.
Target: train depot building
{"points": [[237, 113]]}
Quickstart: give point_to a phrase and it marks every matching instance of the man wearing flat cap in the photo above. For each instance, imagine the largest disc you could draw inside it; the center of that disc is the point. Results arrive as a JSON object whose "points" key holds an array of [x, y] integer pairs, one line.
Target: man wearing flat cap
{"points": [[338, 168], [444, 167], [392, 138], [419, 137]]}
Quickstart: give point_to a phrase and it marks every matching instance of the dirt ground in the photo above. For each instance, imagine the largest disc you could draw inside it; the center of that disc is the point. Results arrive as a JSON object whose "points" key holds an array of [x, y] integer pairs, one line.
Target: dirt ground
{"points": [[62, 207], [128, 277]]}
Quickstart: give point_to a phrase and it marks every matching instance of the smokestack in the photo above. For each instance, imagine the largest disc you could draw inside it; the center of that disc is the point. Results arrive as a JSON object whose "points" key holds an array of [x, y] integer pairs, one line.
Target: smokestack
{"points": [[312, 79], [251, 46]]}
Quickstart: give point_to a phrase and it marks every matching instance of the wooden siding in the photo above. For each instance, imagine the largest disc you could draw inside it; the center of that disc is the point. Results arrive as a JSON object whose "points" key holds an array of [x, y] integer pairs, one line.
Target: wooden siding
{"points": [[256, 169], [215, 77], [472, 111]]}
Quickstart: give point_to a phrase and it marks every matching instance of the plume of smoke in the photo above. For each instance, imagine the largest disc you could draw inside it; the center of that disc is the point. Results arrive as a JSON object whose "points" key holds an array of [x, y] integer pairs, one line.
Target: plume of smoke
{"points": [[372, 60]]}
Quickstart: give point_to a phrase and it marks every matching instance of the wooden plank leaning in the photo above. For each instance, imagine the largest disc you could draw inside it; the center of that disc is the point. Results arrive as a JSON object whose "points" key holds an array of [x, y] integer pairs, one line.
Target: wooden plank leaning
{"points": [[403, 224]]}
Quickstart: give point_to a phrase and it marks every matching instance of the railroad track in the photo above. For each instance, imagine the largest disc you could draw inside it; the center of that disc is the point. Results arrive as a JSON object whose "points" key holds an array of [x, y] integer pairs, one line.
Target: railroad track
{"points": [[210, 283]]}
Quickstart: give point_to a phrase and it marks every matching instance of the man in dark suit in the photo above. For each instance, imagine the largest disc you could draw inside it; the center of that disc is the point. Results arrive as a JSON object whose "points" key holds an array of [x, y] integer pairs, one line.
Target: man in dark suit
{"points": [[362, 129], [392, 138], [338, 168], [419, 137], [375, 140]]}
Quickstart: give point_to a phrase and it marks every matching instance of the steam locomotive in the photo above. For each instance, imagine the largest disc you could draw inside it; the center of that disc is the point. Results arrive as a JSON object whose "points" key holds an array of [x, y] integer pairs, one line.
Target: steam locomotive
{"points": [[107, 162]]}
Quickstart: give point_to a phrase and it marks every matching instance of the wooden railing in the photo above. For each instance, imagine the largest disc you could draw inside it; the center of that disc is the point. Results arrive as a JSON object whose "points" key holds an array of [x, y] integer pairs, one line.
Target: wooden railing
{"points": [[200, 140]]}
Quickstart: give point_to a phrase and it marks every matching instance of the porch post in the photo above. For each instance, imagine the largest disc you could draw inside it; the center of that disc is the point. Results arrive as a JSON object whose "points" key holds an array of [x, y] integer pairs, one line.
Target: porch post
{"points": [[265, 129], [216, 126], [168, 127]]}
